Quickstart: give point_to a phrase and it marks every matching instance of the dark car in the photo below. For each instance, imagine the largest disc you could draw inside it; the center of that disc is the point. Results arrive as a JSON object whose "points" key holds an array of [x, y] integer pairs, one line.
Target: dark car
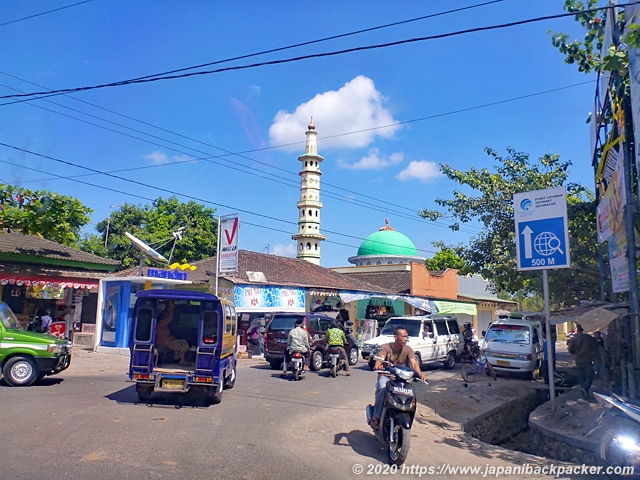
{"points": [[277, 332]]}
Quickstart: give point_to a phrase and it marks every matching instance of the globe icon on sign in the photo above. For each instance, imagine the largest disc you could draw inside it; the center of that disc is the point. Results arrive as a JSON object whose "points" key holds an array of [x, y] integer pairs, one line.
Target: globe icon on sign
{"points": [[547, 243]]}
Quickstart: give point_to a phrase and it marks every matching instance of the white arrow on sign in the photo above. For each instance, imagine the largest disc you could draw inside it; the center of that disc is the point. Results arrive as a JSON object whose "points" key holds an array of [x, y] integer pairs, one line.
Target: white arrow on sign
{"points": [[527, 242]]}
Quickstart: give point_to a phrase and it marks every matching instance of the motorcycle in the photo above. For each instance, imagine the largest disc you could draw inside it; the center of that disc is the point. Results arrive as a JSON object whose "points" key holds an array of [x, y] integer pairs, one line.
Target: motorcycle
{"points": [[397, 414], [336, 361], [297, 365], [621, 447], [466, 357]]}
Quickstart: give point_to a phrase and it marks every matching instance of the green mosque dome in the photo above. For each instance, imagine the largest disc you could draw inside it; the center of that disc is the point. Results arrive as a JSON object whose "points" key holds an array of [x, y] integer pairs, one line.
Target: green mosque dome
{"points": [[387, 241]]}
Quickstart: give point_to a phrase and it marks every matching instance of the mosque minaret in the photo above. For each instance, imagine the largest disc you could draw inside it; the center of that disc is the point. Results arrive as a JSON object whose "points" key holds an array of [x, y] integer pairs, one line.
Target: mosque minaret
{"points": [[308, 237]]}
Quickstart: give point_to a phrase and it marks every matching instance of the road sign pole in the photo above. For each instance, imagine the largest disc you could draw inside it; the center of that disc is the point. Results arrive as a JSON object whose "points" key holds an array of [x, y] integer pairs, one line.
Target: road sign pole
{"points": [[548, 350]]}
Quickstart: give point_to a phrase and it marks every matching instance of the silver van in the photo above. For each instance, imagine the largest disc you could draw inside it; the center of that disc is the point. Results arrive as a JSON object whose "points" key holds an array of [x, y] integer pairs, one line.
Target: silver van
{"points": [[434, 338], [514, 344]]}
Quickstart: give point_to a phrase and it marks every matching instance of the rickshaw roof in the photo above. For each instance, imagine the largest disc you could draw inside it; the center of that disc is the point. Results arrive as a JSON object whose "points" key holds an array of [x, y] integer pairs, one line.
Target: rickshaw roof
{"points": [[177, 295]]}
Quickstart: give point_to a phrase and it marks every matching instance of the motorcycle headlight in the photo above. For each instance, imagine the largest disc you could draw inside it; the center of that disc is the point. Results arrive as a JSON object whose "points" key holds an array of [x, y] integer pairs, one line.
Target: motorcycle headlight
{"points": [[404, 374], [627, 443]]}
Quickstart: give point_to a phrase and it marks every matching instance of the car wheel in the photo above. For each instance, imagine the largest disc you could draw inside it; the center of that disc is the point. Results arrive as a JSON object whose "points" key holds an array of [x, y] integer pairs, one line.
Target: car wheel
{"points": [[275, 364], [353, 356], [316, 360], [419, 359], [20, 371], [450, 361]]}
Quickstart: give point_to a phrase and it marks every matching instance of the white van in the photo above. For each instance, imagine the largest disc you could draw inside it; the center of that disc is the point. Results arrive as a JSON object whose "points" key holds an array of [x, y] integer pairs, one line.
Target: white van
{"points": [[514, 344], [434, 338]]}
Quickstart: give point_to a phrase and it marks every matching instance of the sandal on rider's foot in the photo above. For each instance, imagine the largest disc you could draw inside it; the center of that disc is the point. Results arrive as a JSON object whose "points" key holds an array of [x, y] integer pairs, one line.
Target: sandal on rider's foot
{"points": [[283, 374], [348, 373], [375, 423]]}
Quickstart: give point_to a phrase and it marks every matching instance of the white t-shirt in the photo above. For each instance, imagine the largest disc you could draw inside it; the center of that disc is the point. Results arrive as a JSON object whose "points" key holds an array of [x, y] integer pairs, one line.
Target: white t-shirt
{"points": [[46, 322]]}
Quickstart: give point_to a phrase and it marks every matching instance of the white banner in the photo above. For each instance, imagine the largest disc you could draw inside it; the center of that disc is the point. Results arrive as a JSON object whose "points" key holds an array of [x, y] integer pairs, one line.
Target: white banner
{"points": [[228, 244]]}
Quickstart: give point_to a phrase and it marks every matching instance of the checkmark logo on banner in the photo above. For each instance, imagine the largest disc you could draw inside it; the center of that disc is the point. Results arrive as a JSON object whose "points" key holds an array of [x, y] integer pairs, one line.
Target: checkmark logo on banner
{"points": [[233, 231]]}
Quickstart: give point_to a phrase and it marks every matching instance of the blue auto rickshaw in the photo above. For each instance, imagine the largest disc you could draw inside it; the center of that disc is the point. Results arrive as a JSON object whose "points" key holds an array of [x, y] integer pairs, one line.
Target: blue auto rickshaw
{"points": [[181, 340]]}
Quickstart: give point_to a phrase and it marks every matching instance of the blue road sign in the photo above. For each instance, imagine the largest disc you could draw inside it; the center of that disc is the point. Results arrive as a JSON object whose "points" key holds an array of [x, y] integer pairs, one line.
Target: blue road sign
{"points": [[542, 244], [542, 237]]}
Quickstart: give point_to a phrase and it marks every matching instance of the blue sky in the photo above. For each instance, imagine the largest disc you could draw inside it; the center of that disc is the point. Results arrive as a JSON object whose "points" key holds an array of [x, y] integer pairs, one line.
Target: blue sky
{"points": [[385, 117]]}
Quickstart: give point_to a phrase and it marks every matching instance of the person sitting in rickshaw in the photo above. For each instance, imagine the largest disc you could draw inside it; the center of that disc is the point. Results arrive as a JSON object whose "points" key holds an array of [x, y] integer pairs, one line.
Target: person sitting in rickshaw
{"points": [[164, 338]]}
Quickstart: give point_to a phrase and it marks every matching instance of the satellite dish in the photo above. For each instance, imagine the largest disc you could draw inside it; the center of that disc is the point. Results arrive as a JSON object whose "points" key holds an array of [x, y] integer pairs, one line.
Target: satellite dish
{"points": [[146, 249]]}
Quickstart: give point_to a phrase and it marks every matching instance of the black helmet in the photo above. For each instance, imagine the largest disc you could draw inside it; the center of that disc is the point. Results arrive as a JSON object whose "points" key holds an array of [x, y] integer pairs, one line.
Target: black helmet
{"points": [[298, 321], [467, 325]]}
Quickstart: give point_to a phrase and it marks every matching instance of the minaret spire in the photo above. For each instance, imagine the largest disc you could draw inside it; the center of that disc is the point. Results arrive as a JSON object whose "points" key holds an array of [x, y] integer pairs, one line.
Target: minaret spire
{"points": [[308, 237]]}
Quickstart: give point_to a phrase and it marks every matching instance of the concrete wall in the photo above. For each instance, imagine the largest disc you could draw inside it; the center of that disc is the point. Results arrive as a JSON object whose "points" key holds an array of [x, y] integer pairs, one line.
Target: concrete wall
{"points": [[425, 284]]}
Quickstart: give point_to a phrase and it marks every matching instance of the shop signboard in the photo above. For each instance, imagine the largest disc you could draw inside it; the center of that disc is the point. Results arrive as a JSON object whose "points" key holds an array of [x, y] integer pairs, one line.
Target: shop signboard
{"points": [[114, 312], [249, 298], [228, 241]]}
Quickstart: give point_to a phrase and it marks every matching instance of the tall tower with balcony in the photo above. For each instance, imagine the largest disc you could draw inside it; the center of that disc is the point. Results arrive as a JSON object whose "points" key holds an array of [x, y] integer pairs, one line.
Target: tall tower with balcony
{"points": [[308, 237]]}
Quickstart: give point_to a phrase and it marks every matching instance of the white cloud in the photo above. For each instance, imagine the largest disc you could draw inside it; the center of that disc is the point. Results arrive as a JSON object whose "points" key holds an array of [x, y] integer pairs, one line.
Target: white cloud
{"points": [[157, 157], [160, 158], [356, 107], [284, 250], [422, 170], [373, 161]]}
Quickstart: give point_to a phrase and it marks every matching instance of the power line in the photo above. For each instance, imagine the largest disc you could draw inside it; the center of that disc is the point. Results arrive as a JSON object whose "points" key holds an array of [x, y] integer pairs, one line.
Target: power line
{"points": [[320, 40], [44, 13], [166, 190], [210, 159], [303, 57], [241, 154]]}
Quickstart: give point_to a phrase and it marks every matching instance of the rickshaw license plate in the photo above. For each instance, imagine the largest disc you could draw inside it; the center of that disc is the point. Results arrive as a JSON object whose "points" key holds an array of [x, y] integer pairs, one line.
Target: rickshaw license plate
{"points": [[503, 363], [172, 383]]}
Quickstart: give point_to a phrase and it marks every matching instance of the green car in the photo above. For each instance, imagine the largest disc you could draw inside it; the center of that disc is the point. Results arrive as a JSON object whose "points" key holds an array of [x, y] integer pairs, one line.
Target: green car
{"points": [[26, 357]]}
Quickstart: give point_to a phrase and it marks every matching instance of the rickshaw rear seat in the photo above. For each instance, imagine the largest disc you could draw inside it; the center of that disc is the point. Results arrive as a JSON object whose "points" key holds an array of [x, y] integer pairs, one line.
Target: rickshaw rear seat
{"points": [[163, 355]]}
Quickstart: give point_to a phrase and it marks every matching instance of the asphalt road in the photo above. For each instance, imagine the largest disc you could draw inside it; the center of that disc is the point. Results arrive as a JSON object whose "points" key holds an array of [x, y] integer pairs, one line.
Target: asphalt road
{"points": [[87, 423]]}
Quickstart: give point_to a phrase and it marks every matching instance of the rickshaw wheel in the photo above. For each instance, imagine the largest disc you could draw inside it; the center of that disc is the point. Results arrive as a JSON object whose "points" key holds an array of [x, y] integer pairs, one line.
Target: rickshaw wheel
{"points": [[215, 394], [144, 392], [230, 381]]}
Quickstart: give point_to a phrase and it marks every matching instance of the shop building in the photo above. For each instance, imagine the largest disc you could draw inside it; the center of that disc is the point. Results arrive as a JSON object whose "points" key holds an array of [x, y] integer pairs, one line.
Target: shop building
{"points": [[38, 275]]}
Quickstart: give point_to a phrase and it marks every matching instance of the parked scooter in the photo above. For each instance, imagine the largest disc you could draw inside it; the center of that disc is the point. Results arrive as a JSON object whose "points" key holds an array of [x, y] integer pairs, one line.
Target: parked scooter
{"points": [[397, 414], [297, 365], [336, 360]]}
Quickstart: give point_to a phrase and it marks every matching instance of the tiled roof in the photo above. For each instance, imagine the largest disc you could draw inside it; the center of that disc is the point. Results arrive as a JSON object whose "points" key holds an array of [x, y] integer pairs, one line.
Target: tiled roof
{"points": [[34, 269], [396, 282], [32, 246], [277, 271]]}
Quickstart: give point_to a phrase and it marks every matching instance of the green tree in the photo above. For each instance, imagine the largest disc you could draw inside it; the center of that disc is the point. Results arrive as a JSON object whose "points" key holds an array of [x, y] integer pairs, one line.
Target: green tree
{"points": [[588, 54], [492, 253], [448, 257], [155, 224], [38, 212]]}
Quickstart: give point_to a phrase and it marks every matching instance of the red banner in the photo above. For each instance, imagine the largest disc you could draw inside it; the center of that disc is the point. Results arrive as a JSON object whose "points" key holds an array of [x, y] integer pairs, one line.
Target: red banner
{"points": [[51, 282]]}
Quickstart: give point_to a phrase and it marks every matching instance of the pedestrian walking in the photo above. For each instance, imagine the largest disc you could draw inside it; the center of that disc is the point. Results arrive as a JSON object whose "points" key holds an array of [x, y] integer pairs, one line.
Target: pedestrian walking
{"points": [[584, 348]]}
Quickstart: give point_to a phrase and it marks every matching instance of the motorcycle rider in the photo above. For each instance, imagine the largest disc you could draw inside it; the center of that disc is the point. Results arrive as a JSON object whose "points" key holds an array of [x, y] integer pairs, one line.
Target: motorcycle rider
{"points": [[297, 341], [397, 353], [469, 340], [336, 338]]}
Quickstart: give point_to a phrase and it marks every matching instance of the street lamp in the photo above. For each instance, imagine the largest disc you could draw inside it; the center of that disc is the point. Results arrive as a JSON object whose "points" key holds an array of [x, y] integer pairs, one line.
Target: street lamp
{"points": [[106, 235]]}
